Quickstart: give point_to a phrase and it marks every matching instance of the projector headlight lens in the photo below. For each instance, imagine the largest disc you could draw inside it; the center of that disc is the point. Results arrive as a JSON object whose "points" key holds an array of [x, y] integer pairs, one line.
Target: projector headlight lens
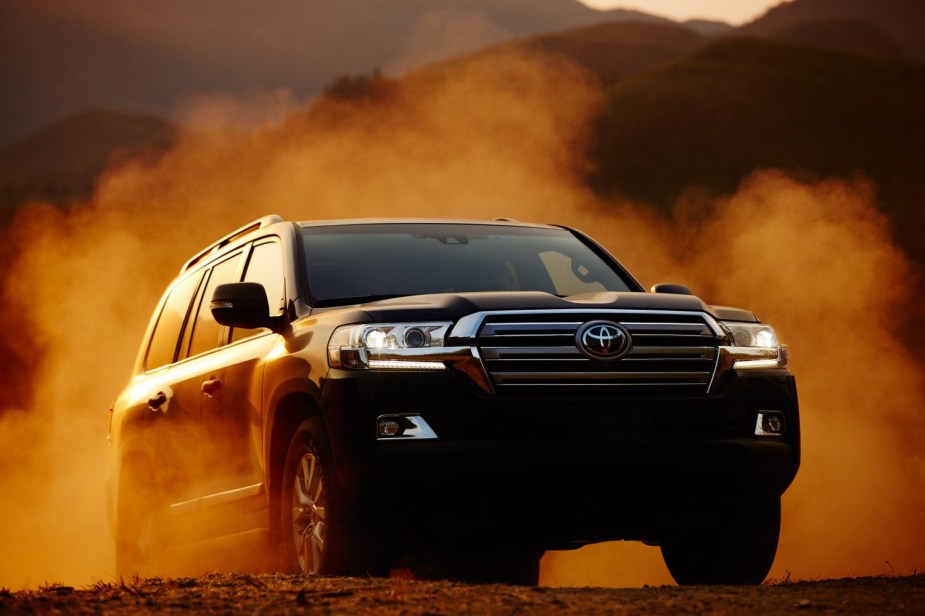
{"points": [[415, 338]]}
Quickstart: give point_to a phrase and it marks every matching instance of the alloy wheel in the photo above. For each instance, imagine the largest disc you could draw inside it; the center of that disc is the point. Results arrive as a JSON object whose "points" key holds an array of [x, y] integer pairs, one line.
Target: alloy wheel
{"points": [[308, 500]]}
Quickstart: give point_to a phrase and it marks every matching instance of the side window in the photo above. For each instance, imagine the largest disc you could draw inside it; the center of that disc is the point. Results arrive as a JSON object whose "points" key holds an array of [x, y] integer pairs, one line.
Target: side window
{"points": [[163, 343], [206, 330], [266, 267]]}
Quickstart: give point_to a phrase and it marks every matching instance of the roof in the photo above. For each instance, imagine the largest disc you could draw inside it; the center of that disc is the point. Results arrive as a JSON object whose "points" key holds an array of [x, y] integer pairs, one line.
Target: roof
{"points": [[272, 219], [500, 222]]}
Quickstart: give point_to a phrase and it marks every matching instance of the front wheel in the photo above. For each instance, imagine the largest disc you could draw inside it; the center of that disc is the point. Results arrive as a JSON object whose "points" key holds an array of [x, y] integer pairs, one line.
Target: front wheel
{"points": [[321, 533], [737, 547]]}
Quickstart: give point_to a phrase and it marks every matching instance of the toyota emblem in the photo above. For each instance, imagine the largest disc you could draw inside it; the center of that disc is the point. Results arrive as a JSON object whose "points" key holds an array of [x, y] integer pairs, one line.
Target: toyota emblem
{"points": [[603, 340]]}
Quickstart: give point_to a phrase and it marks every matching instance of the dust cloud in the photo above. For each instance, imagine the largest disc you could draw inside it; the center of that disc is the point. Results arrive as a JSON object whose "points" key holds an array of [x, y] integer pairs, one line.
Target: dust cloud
{"points": [[500, 135], [817, 261]]}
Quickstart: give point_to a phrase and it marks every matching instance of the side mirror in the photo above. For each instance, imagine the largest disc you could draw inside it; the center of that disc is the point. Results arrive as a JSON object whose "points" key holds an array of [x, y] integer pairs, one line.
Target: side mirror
{"points": [[241, 304], [677, 289]]}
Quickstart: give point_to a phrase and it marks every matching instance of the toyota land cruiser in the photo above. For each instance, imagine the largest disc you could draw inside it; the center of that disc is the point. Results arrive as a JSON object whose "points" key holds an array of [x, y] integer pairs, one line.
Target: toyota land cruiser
{"points": [[458, 396]]}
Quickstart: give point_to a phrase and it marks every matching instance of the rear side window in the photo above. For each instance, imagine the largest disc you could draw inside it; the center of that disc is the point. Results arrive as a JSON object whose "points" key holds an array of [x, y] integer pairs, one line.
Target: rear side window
{"points": [[163, 346], [205, 329]]}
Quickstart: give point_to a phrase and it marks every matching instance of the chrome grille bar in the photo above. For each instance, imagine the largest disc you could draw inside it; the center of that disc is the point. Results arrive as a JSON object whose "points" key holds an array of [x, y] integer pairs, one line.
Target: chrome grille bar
{"points": [[539, 349], [501, 378]]}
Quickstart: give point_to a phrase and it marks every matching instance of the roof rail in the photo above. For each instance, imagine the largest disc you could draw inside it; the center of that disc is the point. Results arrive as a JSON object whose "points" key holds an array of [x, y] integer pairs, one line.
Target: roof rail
{"points": [[504, 219], [260, 223]]}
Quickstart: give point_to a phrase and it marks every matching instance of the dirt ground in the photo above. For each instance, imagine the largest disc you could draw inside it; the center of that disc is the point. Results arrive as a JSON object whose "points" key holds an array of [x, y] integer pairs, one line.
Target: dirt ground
{"points": [[286, 594]]}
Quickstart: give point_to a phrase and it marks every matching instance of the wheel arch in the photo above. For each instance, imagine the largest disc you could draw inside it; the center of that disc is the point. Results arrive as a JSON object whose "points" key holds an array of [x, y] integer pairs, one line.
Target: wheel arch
{"points": [[289, 413], [135, 465], [135, 454]]}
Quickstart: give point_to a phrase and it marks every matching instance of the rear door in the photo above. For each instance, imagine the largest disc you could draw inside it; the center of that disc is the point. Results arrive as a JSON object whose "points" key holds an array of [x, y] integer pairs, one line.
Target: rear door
{"points": [[196, 375], [168, 421]]}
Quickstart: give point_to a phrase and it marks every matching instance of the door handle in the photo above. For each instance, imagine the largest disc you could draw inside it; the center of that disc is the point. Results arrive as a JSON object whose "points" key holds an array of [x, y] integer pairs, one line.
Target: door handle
{"points": [[156, 401], [211, 386]]}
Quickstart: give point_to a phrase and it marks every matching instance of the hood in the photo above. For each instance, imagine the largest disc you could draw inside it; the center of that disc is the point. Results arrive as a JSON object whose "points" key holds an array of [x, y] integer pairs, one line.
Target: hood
{"points": [[451, 307]]}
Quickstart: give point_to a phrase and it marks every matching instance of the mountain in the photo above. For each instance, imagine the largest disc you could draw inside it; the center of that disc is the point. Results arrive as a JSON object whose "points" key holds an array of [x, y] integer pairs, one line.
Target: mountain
{"points": [[902, 20], [61, 162], [710, 118], [709, 27], [848, 35], [614, 50], [683, 108], [59, 57]]}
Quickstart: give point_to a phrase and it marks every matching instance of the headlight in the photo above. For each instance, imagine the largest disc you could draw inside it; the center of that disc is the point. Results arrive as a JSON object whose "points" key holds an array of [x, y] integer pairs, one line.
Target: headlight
{"points": [[401, 346], [751, 334], [753, 345]]}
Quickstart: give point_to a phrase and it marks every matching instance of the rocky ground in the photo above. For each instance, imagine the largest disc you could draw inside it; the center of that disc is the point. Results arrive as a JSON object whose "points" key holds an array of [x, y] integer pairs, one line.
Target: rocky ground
{"points": [[285, 594]]}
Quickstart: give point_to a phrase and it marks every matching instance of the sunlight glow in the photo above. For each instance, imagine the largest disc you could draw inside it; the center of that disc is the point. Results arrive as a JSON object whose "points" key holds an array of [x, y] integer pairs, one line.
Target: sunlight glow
{"points": [[735, 12]]}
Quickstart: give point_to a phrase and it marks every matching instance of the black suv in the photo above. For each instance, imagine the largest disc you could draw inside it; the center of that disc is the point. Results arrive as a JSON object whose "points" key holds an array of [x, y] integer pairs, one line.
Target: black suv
{"points": [[454, 397]]}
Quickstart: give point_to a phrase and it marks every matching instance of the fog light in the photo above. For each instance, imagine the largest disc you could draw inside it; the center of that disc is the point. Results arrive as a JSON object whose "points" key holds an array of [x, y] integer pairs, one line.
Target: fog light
{"points": [[389, 427], [403, 428], [770, 423]]}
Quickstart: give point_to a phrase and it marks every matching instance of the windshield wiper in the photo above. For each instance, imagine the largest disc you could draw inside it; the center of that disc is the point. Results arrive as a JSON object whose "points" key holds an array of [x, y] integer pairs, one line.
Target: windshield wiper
{"points": [[357, 299]]}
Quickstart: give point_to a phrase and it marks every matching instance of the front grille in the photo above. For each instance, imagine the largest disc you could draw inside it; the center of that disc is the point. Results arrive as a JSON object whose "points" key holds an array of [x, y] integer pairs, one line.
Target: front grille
{"points": [[672, 352]]}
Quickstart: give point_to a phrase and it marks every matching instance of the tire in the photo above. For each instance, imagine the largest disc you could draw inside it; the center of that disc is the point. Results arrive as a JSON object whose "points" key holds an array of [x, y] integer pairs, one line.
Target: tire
{"points": [[139, 522], [737, 548], [516, 567], [321, 533]]}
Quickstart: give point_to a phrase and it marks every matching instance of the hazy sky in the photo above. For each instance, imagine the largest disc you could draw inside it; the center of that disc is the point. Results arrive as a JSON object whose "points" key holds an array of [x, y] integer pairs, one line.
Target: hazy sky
{"points": [[731, 11]]}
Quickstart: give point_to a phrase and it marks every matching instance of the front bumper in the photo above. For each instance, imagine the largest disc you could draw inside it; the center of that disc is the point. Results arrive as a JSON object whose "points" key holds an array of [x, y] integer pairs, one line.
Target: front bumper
{"points": [[562, 468]]}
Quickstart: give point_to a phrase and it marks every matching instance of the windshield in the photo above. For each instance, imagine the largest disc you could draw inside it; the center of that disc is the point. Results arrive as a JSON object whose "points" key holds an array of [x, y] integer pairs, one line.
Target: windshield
{"points": [[355, 263]]}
